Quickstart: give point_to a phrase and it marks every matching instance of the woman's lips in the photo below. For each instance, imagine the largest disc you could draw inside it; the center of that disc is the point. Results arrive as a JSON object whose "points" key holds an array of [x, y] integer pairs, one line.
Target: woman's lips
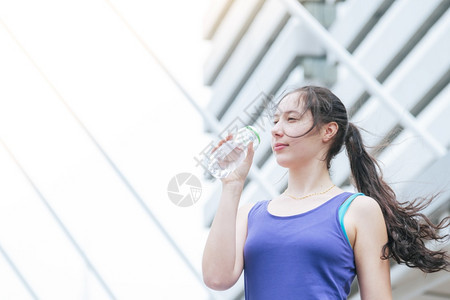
{"points": [[279, 147]]}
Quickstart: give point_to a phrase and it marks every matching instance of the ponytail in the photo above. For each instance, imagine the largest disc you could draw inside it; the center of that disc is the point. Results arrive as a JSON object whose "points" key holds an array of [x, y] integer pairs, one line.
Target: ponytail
{"points": [[407, 228]]}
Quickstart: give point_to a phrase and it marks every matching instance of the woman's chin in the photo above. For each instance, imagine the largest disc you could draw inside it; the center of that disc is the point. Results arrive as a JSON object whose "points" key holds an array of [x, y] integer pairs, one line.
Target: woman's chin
{"points": [[283, 162]]}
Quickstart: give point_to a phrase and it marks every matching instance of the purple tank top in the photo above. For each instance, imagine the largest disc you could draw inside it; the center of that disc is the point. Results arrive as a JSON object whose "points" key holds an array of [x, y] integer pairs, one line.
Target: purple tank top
{"points": [[304, 256]]}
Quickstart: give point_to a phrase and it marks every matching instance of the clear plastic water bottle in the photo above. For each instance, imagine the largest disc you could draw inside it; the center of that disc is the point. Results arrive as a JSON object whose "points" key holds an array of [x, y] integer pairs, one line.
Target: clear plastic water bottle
{"points": [[229, 155]]}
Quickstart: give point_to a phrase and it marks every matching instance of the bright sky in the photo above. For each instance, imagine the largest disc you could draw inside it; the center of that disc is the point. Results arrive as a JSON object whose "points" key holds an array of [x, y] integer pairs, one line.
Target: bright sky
{"points": [[88, 58]]}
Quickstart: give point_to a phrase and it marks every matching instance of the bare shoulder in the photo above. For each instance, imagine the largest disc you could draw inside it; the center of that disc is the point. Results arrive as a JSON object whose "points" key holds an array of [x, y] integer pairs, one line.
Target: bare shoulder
{"points": [[364, 206], [242, 221], [366, 213], [244, 209]]}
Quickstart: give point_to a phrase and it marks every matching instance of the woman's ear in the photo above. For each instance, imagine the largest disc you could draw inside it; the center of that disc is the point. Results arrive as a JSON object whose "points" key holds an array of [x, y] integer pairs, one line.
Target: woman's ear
{"points": [[329, 130]]}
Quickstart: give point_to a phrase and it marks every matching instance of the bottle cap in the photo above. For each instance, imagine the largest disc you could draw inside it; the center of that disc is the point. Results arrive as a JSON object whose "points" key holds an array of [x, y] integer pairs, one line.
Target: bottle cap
{"points": [[256, 132]]}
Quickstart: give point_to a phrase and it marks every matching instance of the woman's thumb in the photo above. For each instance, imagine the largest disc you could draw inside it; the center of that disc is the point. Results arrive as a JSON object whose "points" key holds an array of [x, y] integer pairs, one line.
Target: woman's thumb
{"points": [[250, 153]]}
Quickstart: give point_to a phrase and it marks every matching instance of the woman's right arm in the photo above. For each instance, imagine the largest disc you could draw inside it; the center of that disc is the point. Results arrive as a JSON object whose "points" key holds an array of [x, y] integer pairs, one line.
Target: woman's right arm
{"points": [[223, 257]]}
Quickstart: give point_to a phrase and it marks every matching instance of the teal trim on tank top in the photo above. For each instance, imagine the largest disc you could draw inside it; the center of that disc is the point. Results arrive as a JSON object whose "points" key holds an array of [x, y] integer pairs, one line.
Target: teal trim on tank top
{"points": [[343, 209]]}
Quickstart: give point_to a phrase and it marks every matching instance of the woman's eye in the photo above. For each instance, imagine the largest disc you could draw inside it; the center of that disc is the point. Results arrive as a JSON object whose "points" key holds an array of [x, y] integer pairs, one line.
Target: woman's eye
{"points": [[292, 119], [275, 122]]}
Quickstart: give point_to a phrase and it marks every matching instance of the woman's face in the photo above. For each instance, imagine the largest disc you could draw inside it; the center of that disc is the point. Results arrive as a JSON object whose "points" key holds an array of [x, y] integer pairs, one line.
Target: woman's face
{"points": [[292, 144]]}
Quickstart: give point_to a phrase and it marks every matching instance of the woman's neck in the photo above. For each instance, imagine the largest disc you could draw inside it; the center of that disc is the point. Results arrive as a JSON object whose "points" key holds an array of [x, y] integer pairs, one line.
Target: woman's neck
{"points": [[310, 178]]}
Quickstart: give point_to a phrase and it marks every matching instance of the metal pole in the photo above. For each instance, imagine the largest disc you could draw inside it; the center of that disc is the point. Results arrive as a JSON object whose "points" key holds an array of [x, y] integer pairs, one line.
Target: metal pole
{"points": [[18, 273]]}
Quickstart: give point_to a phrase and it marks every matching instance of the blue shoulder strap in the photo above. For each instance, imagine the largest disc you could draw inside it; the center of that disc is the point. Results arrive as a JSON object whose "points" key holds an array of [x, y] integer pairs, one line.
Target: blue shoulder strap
{"points": [[343, 209]]}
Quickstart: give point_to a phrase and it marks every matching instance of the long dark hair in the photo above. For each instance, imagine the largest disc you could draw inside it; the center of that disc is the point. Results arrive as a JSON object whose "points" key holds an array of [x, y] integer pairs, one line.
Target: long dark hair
{"points": [[407, 227]]}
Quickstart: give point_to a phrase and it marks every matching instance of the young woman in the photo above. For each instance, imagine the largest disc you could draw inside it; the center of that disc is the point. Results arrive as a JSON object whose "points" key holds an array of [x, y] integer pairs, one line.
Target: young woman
{"points": [[311, 241]]}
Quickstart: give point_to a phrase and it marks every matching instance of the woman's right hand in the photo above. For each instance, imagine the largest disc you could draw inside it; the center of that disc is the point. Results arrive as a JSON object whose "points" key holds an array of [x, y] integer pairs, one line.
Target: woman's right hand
{"points": [[241, 172]]}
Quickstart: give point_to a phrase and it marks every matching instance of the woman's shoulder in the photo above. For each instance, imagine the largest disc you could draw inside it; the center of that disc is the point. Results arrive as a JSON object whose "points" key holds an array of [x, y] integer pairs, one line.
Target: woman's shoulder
{"points": [[365, 209], [249, 205], [365, 204], [245, 208]]}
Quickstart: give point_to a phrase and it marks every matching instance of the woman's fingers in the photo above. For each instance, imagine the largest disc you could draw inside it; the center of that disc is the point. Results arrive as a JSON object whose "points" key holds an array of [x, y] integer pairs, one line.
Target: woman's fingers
{"points": [[221, 142]]}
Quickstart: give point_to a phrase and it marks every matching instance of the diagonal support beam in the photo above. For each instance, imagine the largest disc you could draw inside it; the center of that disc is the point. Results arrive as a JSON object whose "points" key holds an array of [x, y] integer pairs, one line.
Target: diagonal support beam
{"points": [[18, 273]]}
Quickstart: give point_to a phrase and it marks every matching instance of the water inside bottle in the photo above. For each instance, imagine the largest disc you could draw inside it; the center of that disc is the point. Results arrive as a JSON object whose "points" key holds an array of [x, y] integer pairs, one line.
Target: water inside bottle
{"points": [[231, 154], [225, 159]]}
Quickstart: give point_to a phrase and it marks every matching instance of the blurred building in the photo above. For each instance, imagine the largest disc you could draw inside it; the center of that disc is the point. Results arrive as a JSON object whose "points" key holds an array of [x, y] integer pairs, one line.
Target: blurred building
{"points": [[260, 48]]}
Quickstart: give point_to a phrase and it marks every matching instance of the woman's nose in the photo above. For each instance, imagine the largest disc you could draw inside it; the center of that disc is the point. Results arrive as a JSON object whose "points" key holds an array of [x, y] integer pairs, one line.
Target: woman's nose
{"points": [[277, 129]]}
